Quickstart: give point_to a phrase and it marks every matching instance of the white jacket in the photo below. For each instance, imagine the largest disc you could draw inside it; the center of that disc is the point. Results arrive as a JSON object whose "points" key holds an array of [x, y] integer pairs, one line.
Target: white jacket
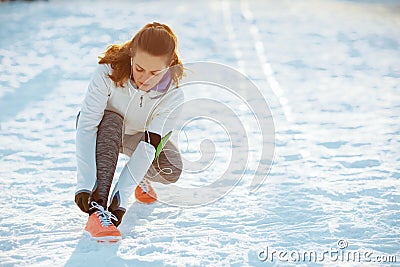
{"points": [[152, 111]]}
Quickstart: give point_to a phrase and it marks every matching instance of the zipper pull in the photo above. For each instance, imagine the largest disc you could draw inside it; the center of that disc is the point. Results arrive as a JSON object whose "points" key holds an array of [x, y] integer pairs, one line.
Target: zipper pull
{"points": [[141, 99]]}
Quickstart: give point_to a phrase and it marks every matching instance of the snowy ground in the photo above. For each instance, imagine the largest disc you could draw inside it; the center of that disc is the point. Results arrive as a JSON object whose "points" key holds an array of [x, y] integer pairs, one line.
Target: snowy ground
{"points": [[329, 70]]}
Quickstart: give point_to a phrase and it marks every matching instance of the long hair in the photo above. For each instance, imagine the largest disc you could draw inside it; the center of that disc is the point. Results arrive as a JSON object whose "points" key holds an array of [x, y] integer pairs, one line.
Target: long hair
{"points": [[154, 38]]}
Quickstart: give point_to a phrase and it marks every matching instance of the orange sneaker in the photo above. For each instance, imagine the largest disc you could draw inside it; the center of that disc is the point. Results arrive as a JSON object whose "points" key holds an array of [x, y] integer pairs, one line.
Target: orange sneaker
{"points": [[99, 225], [145, 193]]}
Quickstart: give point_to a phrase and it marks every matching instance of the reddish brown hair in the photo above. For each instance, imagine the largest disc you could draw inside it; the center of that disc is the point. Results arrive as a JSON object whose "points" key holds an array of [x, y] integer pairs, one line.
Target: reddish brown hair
{"points": [[154, 38]]}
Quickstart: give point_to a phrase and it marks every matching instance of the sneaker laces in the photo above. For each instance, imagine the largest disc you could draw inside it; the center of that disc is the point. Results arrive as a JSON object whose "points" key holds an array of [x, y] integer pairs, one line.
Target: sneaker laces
{"points": [[144, 185], [104, 215]]}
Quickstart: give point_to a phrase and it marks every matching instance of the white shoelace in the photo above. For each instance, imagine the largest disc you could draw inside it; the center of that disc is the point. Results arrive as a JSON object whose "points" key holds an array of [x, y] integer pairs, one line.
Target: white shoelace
{"points": [[144, 186], [104, 215]]}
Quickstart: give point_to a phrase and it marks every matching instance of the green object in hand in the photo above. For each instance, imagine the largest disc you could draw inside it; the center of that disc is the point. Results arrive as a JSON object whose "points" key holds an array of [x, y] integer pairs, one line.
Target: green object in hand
{"points": [[162, 144]]}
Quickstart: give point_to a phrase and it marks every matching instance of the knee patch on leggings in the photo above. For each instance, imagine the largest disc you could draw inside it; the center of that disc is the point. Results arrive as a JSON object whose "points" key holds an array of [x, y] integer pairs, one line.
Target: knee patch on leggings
{"points": [[167, 167]]}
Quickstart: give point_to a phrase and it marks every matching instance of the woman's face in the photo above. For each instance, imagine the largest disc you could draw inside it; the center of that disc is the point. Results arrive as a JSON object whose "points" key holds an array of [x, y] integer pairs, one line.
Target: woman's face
{"points": [[147, 69]]}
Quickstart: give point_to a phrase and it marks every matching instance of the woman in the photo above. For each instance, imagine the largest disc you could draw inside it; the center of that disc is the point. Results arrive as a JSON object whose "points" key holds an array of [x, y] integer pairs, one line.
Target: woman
{"points": [[130, 107]]}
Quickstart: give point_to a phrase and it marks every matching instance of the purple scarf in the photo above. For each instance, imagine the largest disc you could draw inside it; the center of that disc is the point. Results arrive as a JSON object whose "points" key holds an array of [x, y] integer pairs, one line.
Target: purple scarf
{"points": [[164, 83]]}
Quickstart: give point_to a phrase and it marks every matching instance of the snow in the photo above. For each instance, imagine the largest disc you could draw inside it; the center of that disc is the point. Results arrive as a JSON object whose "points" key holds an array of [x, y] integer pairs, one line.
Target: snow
{"points": [[329, 72]]}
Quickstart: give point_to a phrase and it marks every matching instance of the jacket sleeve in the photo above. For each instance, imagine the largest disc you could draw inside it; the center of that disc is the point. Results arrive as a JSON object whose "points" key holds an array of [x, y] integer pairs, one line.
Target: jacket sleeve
{"points": [[166, 114], [91, 113]]}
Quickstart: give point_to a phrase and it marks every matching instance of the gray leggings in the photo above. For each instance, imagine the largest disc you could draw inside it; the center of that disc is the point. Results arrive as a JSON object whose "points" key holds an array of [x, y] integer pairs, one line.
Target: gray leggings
{"points": [[166, 169]]}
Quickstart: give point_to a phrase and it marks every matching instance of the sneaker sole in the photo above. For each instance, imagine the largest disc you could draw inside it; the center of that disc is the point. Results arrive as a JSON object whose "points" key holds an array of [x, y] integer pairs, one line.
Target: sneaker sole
{"points": [[104, 239], [147, 203]]}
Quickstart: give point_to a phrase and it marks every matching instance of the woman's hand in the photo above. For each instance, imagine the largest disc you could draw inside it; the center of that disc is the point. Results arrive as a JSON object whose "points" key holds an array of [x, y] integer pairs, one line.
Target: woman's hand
{"points": [[82, 200]]}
